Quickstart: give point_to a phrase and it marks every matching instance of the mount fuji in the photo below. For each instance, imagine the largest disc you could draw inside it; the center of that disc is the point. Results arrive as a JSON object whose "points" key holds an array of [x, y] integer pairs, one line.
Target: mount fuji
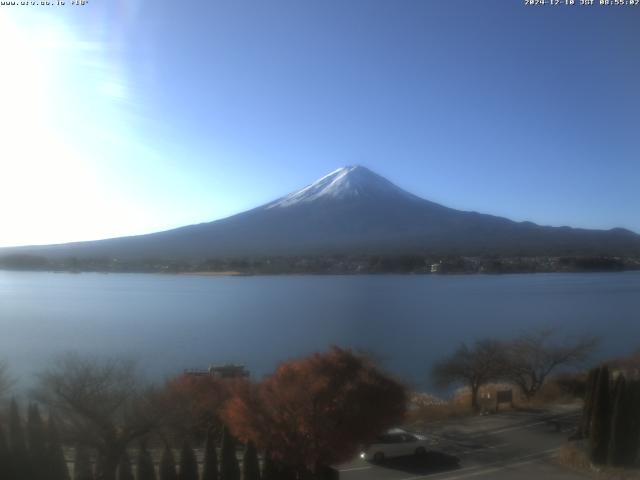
{"points": [[352, 210]]}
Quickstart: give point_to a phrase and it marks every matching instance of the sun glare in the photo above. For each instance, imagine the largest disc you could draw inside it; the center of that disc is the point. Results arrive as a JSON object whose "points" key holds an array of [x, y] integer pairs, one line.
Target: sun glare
{"points": [[22, 93], [44, 178]]}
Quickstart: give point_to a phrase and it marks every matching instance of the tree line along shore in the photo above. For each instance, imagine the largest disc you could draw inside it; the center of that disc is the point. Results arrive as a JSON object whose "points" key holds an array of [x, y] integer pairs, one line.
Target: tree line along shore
{"points": [[329, 264]]}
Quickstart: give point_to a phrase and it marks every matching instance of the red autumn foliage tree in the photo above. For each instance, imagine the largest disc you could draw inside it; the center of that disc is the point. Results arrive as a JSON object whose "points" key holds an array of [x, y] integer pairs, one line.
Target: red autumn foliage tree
{"points": [[317, 411], [194, 402]]}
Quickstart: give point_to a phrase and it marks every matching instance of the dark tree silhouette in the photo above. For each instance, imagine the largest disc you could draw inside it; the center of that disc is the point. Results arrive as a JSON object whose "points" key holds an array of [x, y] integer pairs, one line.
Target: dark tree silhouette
{"points": [[36, 438], [168, 465], [600, 419], [250, 463], [625, 431], [5, 458], [472, 367], [145, 468], [269, 469], [82, 464], [587, 409], [633, 407], [56, 461], [617, 435], [275, 470], [124, 468], [229, 469], [188, 463], [210, 467], [21, 467]]}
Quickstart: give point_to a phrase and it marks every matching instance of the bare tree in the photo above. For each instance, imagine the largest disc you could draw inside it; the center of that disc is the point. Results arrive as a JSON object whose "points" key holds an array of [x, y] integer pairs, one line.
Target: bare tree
{"points": [[472, 367], [100, 404], [533, 356]]}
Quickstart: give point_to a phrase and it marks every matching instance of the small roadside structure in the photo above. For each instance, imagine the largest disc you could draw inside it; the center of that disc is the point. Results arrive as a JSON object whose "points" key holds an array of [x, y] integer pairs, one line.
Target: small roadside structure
{"points": [[504, 396], [225, 371], [493, 397]]}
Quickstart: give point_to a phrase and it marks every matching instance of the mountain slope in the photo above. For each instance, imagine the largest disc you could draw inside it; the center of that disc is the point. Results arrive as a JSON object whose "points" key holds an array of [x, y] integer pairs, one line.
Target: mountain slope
{"points": [[352, 210]]}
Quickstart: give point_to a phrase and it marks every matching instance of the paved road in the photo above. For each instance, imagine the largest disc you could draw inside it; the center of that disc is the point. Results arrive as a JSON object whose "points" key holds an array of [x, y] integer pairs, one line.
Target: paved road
{"points": [[510, 445]]}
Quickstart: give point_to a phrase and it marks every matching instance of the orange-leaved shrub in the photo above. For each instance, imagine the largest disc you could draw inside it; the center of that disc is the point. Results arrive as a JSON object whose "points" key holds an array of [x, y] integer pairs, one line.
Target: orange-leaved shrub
{"points": [[317, 411]]}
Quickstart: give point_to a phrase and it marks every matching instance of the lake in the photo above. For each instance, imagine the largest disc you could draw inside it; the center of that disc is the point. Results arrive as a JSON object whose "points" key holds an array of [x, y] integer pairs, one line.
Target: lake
{"points": [[172, 322]]}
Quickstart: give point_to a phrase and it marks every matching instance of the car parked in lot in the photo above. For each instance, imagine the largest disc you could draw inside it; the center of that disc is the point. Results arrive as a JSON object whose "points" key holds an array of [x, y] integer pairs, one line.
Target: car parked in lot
{"points": [[395, 443]]}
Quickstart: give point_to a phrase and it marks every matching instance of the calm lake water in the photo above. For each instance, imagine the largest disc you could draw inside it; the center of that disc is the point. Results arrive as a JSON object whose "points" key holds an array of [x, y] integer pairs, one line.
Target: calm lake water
{"points": [[174, 322]]}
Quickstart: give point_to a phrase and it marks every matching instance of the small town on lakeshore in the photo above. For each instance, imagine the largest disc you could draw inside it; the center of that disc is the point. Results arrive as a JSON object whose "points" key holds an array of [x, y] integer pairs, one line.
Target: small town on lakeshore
{"points": [[332, 265]]}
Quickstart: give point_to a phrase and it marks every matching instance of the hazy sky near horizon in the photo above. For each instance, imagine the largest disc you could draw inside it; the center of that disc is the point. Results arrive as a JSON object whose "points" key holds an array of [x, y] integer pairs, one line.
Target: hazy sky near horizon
{"points": [[122, 117]]}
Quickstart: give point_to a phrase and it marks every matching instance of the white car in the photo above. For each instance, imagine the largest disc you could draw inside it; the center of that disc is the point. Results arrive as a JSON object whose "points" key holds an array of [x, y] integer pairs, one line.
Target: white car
{"points": [[395, 443]]}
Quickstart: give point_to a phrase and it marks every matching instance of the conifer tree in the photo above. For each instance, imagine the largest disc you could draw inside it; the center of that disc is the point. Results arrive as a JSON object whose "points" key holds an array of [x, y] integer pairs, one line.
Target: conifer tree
{"points": [[145, 468], [250, 464], [168, 465], [188, 462], [619, 416], [634, 420], [19, 455], [269, 470], [56, 463], [210, 467], [82, 464], [124, 468], [276, 470], [98, 472], [36, 439], [587, 409], [600, 419], [229, 469], [5, 465], [285, 472], [625, 428]]}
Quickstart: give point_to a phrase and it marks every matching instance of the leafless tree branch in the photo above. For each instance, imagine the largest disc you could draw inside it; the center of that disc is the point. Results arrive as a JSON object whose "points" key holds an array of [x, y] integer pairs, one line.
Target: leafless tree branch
{"points": [[532, 357], [101, 403]]}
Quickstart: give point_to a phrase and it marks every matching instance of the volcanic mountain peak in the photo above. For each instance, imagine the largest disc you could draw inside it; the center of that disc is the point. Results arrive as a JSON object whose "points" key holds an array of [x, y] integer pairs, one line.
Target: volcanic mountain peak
{"points": [[343, 183], [350, 211]]}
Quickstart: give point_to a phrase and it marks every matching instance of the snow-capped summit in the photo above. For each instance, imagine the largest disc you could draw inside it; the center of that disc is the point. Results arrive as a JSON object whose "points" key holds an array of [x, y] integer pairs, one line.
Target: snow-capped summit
{"points": [[343, 183]]}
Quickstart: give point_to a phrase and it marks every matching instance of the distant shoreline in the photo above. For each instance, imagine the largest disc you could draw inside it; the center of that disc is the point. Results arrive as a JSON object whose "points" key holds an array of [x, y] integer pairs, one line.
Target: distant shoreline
{"points": [[362, 264], [228, 273], [223, 274]]}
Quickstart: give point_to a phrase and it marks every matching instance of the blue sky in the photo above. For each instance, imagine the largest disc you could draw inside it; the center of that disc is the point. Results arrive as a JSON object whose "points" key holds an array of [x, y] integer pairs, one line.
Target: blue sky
{"points": [[127, 117]]}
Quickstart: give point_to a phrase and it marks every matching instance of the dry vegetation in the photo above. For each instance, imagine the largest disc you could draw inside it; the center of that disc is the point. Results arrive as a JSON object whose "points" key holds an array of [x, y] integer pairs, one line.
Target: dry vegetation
{"points": [[573, 455], [426, 409]]}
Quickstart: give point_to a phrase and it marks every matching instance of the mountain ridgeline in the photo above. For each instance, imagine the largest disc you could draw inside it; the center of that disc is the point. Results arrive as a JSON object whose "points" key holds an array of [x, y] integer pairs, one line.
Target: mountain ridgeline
{"points": [[351, 211]]}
